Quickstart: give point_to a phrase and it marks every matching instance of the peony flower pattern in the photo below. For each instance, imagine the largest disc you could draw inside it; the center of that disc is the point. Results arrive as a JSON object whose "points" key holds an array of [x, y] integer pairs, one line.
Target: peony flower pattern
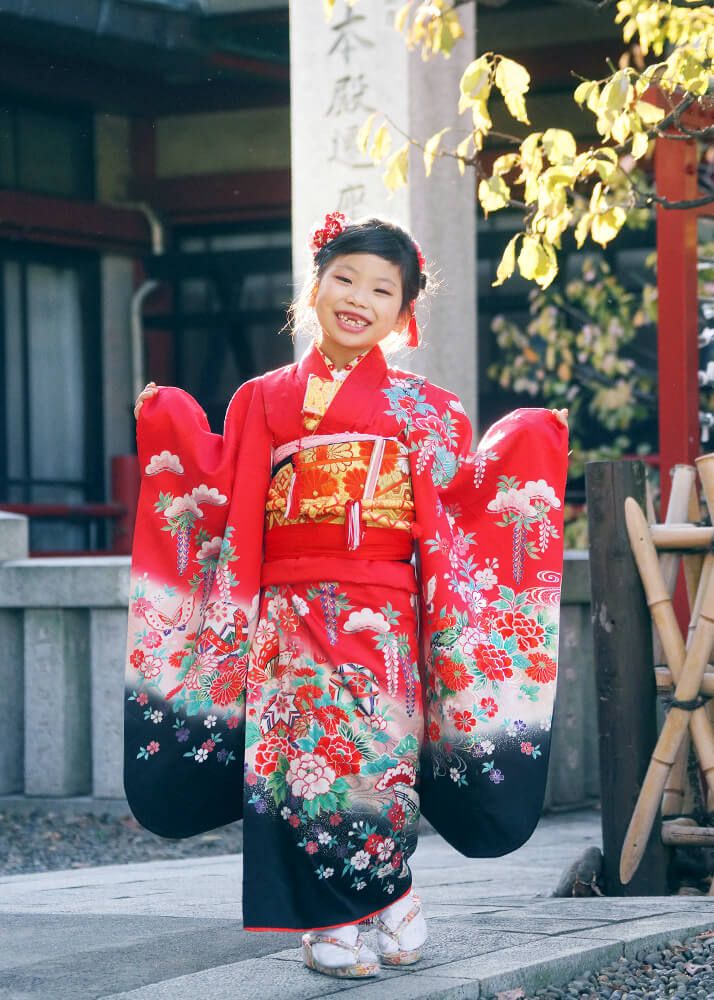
{"points": [[320, 751]]}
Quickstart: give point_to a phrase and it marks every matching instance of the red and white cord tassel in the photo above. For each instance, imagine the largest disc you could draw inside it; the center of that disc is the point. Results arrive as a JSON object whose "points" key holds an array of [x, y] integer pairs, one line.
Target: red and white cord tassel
{"points": [[292, 503], [353, 524]]}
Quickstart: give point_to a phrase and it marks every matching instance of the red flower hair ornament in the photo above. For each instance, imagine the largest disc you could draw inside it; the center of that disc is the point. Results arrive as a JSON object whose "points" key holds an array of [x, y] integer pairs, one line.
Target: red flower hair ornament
{"points": [[336, 223]]}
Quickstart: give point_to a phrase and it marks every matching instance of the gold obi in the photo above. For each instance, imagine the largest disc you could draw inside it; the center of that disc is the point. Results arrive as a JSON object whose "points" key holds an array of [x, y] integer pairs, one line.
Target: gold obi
{"points": [[316, 484]]}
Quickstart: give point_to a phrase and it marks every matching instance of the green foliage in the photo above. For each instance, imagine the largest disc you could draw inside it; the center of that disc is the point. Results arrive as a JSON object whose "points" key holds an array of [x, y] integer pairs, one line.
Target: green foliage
{"points": [[577, 352], [557, 185]]}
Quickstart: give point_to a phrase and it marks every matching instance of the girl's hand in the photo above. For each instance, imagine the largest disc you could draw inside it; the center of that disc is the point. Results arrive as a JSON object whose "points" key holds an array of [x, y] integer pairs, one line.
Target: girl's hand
{"points": [[561, 415], [146, 393]]}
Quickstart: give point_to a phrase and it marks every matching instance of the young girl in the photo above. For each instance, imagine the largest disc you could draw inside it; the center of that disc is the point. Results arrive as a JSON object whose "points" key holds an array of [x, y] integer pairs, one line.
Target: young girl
{"points": [[342, 617]]}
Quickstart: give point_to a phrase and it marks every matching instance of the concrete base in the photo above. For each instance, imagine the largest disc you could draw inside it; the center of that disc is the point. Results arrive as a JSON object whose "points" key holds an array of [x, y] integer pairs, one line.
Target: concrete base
{"points": [[14, 536], [65, 805]]}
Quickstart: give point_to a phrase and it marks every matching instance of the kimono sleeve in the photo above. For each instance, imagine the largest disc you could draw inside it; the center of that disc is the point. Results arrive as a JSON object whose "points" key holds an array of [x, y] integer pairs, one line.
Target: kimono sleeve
{"points": [[195, 578], [490, 557]]}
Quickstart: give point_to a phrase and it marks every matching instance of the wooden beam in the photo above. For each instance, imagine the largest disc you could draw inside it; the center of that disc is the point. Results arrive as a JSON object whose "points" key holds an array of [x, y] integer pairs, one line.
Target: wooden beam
{"points": [[678, 354], [626, 695], [41, 219], [230, 197], [72, 79]]}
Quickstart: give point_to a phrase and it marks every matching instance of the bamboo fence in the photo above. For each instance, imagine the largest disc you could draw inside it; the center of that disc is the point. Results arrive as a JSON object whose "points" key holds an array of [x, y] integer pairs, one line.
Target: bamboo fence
{"points": [[685, 676]]}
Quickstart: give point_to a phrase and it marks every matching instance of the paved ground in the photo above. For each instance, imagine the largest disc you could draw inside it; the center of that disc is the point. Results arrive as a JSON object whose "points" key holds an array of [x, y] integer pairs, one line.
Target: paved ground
{"points": [[171, 929]]}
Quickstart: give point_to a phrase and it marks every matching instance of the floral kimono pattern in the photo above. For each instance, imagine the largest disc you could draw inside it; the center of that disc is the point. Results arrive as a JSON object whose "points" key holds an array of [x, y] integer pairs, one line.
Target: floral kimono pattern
{"points": [[288, 661]]}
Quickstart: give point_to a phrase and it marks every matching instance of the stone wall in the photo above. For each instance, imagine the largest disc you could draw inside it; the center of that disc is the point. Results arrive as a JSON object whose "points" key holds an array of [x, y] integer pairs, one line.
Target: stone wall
{"points": [[63, 636]]}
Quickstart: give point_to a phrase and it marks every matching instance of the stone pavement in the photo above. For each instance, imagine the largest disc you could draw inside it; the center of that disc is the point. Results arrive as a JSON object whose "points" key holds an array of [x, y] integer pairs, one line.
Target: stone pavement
{"points": [[171, 929]]}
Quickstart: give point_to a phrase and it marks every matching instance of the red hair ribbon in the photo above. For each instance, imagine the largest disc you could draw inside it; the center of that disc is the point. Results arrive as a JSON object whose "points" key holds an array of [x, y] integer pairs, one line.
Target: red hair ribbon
{"points": [[413, 337]]}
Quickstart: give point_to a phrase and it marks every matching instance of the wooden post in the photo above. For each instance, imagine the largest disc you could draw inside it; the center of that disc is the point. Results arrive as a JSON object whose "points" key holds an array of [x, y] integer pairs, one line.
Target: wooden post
{"points": [[622, 634]]}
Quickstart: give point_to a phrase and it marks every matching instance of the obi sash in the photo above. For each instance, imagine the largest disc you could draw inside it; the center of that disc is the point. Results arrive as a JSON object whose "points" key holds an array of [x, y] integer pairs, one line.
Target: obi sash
{"points": [[329, 492]]}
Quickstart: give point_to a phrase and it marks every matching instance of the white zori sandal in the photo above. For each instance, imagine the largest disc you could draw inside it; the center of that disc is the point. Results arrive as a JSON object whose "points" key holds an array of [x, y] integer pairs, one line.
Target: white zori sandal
{"points": [[401, 931], [340, 953]]}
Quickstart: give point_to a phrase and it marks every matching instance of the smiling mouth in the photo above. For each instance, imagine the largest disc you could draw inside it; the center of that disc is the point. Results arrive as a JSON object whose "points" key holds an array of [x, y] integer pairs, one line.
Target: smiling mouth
{"points": [[352, 321]]}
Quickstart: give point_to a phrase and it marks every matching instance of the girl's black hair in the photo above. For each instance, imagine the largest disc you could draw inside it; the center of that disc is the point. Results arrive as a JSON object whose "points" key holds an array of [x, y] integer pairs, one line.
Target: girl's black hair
{"points": [[383, 239]]}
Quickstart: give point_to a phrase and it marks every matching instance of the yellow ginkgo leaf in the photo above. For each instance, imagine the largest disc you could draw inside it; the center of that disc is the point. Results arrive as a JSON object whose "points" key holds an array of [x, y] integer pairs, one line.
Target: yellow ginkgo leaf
{"points": [[513, 80], [507, 264], [363, 133], [397, 173], [493, 194], [537, 261], [582, 229], [584, 91], [381, 144], [640, 145], [503, 165], [431, 148], [529, 257], [400, 18], [530, 148], [617, 92], [481, 117], [621, 127], [549, 266], [559, 145], [476, 78], [649, 113], [447, 31], [606, 225], [462, 151]]}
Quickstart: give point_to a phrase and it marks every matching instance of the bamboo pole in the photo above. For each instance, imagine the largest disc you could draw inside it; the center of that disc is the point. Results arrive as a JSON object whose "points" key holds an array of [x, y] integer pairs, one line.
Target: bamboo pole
{"points": [[686, 835], [684, 479], [660, 604], [682, 536], [665, 682], [687, 670], [649, 502], [692, 564]]}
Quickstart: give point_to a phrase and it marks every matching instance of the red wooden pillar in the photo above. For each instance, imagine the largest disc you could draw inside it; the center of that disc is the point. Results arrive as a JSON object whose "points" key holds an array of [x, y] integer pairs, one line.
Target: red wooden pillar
{"points": [[676, 180]]}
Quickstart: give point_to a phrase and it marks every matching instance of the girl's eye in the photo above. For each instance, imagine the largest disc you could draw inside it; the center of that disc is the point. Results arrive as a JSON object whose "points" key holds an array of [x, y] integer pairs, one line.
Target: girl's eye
{"points": [[382, 291], [341, 278]]}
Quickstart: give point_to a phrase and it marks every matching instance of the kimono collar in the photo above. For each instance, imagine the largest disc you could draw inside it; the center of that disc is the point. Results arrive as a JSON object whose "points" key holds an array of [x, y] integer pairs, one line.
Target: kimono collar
{"points": [[313, 362], [340, 374]]}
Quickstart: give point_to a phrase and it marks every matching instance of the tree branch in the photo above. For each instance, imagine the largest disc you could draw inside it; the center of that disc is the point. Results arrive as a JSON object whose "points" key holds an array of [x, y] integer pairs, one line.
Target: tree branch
{"points": [[692, 203], [650, 197]]}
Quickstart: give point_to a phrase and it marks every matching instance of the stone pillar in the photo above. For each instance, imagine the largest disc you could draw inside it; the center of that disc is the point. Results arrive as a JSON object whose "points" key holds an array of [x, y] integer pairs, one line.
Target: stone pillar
{"points": [[14, 540], [341, 71], [107, 640], [11, 703], [14, 536], [57, 737]]}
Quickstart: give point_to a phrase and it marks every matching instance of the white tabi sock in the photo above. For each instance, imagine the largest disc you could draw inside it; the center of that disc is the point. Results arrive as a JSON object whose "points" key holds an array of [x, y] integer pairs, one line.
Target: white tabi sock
{"points": [[412, 936], [333, 957]]}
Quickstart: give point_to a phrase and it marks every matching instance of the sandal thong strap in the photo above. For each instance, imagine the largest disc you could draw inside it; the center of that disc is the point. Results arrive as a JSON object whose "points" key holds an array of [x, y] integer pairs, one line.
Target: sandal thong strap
{"points": [[337, 942], [407, 919]]}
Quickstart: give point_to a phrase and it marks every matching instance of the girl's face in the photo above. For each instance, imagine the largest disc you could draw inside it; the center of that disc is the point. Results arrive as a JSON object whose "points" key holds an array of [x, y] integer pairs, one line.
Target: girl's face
{"points": [[358, 302]]}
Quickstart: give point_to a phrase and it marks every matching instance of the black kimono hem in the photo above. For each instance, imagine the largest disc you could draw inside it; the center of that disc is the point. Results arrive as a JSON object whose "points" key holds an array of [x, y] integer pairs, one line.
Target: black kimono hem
{"points": [[327, 927]]}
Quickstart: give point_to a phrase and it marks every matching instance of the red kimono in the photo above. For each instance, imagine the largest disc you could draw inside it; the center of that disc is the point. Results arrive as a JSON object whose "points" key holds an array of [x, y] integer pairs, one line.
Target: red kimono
{"points": [[289, 661]]}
